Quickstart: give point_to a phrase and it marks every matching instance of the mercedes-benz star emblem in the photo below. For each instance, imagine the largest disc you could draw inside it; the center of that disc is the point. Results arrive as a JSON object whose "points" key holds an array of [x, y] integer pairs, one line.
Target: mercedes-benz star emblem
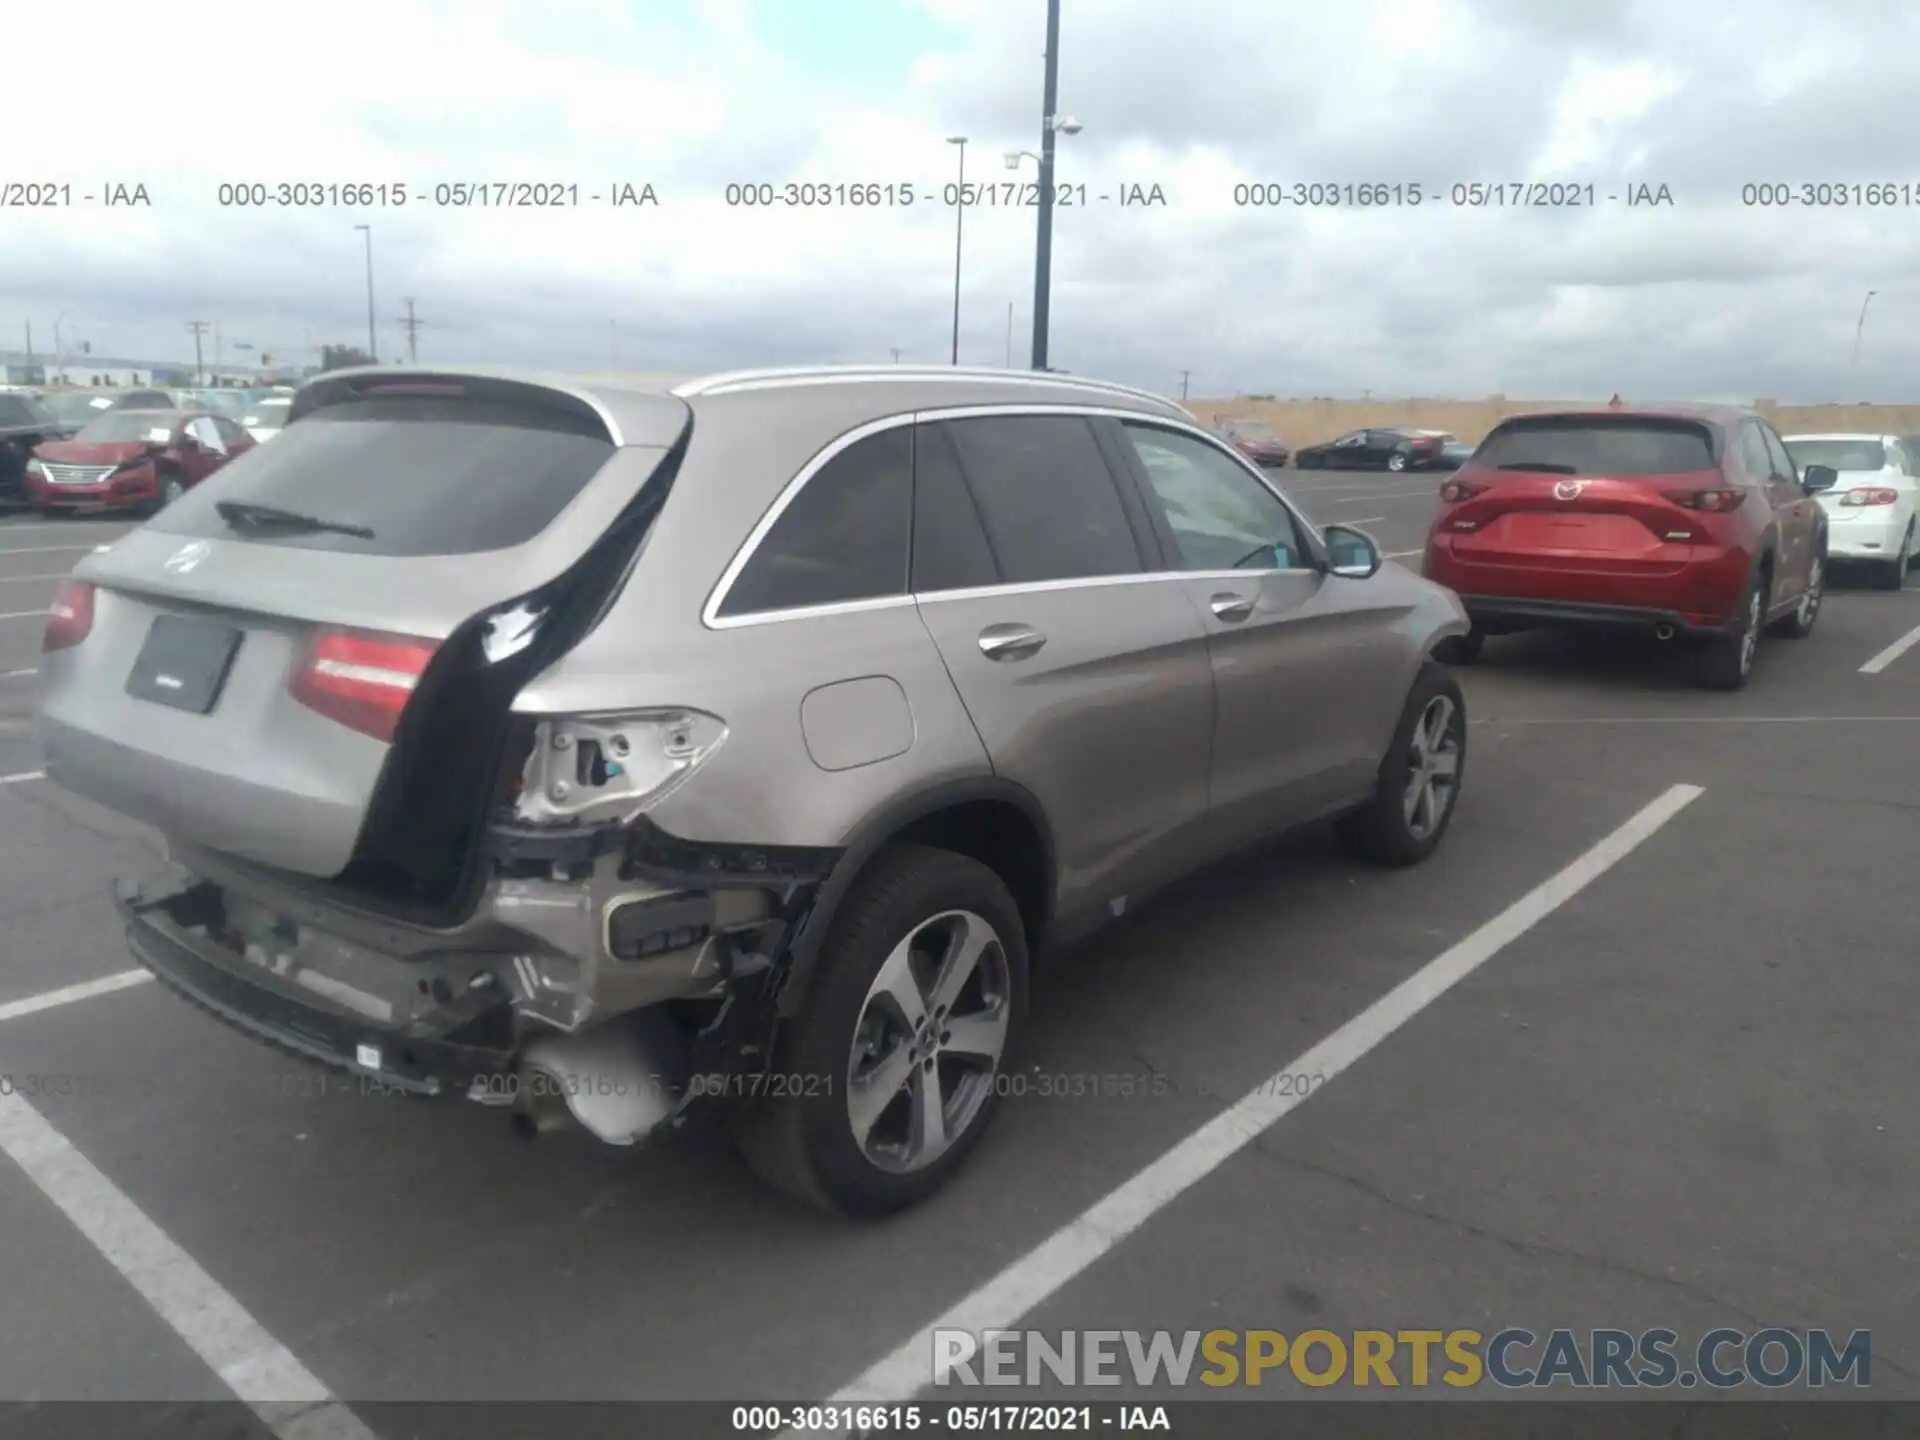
{"points": [[186, 557], [1562, 490]]}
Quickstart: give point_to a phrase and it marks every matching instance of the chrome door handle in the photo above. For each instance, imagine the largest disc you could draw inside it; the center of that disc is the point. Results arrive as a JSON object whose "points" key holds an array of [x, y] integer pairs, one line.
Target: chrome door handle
{"points": [[1010, 642], [1231, 607]]}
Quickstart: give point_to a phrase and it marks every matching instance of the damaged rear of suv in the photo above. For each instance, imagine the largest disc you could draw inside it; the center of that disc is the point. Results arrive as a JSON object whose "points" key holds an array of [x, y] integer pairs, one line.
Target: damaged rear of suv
{"points": [[603, 755]]}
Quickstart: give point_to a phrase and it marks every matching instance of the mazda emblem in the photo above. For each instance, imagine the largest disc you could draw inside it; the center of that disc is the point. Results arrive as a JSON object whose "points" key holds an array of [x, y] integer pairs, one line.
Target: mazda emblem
{"points": [[186, 557], [1562, 490]]}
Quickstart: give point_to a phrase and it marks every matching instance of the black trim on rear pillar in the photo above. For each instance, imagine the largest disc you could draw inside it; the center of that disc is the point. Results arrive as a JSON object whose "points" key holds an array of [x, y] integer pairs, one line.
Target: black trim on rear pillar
{"points": [[421, 853]]}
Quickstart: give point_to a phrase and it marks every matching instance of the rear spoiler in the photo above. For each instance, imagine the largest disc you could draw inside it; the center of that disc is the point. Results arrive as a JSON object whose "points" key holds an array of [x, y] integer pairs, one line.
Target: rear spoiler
{"points": [[452, 382]]}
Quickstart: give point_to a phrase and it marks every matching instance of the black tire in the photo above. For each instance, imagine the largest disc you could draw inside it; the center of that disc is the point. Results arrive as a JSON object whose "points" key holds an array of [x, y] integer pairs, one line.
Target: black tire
{"points": [[1726, 661], [1461, 649], [1892, 574], [1798, 623], [800, 1140], [1380, 831]]}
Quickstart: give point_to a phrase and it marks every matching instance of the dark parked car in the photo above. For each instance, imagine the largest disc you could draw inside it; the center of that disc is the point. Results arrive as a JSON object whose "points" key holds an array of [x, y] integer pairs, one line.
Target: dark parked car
{"points": [[1254, 439], [132, 460], [1454, 454], [1392, 448], [25, 421], [156, 400]]}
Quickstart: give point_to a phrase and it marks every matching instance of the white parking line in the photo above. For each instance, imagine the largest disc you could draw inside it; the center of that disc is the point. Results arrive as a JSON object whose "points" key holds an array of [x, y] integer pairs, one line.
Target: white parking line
{"points": [[22, 775], [1403, 554], [22, 579], [43, 549], [1892, 653], [23, 614], [16, 674], [256, 1367], [1043, 1271], [86, 990]]}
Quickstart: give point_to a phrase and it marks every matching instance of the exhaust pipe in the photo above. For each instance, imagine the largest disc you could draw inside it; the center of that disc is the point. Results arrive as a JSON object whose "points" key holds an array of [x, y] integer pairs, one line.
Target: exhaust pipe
{"points": [[618, 1081], [1663, 631]]}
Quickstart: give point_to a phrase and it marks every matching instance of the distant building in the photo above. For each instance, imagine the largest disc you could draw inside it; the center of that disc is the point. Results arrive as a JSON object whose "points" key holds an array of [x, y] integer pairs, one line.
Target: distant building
{"points": [[98, 374]]}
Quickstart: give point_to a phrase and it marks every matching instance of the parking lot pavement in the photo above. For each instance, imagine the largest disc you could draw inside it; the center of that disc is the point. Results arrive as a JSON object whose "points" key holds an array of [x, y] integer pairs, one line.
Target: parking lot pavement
{"points": [[1658, 1106], [1394, 509]]}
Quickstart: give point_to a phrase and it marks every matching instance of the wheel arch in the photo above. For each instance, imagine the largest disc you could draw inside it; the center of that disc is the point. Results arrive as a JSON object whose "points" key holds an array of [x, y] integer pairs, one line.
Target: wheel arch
{"points": [[989, 818]]}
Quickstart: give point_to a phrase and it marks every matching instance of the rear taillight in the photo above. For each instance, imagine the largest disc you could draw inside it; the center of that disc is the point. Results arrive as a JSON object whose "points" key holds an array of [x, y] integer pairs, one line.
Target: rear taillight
{"points": [[1870, 495], [69, 617], [1455, 491], [359, 678], [1716, 502]]}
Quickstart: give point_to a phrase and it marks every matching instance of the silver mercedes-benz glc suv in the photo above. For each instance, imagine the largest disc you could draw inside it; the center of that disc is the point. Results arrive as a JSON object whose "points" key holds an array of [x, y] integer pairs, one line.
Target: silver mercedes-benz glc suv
{"points": [[609, 754]]}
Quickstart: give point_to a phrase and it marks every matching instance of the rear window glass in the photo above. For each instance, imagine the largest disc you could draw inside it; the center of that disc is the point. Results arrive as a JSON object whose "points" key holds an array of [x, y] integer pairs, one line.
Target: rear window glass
{"points": [[429, 475], [1599, 447], [144, 400], [1866, 454]]}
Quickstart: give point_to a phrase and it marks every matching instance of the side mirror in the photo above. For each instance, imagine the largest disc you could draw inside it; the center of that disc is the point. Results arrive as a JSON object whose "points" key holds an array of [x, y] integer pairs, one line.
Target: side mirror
{"points": [[1351, 553], [1816, 478]]}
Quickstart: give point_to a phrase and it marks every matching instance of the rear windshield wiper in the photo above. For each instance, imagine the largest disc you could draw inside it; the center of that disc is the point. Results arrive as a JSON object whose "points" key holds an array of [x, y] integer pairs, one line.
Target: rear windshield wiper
{"points": [[1542, 466], [241, 514]]}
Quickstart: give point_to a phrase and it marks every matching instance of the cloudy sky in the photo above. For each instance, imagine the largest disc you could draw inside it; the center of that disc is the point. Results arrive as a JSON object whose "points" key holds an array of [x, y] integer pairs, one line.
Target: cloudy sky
{"points": [[1707, 296]]}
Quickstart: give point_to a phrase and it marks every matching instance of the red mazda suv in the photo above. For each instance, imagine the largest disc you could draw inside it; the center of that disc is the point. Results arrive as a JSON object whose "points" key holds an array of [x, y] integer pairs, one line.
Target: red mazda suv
{"points": [[1688, 523]]}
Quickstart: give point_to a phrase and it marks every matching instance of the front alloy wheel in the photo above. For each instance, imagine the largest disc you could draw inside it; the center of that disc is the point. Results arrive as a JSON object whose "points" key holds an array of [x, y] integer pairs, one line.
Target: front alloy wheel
{"points": [[1433, 767], [928, 1042], [1396, 462]]}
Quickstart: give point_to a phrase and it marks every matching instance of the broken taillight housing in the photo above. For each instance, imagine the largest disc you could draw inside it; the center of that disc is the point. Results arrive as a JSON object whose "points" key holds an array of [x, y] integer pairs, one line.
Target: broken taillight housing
{"points": [[1716, 502], [585, 769], [69, 617], [1870, 495], [361, 678]]}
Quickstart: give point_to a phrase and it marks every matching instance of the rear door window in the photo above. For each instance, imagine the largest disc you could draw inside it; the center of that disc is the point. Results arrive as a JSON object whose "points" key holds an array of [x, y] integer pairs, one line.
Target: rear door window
{"points": [[429, 475], [1583, 445], [1846, 453], [1046, 498], [950, 549], [842, 537]]}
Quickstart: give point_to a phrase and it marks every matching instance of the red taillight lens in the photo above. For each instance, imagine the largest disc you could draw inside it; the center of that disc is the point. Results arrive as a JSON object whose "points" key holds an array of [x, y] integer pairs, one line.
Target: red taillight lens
{"points": [[361, 679], [1455, 491], [1716, 502], [1870, 495], [69, 617]]}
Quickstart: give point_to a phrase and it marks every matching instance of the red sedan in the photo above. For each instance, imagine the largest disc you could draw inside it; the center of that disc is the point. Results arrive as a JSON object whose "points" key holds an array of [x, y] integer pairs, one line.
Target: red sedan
{"points": [[1689, 524], [135, 460]]}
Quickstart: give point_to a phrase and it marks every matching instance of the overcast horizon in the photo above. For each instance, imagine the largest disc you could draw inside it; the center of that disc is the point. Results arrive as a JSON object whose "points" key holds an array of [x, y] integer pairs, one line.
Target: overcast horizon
{"points": [[1703, 296]]}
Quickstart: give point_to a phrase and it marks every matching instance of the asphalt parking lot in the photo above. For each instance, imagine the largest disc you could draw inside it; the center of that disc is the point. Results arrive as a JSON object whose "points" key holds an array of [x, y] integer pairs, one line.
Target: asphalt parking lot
{"points": [[1679, 1098]]}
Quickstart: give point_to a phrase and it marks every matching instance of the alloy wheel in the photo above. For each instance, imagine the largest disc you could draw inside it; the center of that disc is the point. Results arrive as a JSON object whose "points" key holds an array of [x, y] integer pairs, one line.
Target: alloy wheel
{"points": [[1816, 589], [1433, 768], [927, 1046], [1750, 641]]}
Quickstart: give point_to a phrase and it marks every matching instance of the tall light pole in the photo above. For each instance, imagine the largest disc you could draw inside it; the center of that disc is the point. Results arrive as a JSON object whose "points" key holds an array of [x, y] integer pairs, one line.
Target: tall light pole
{"points": [[1860, 325], [1043, 238], [959, 225], [373, 345]]}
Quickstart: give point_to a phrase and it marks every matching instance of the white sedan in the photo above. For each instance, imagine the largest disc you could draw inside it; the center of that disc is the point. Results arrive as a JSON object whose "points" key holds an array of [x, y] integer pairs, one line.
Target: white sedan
{"points": [[268, 417], [1871, 510]]}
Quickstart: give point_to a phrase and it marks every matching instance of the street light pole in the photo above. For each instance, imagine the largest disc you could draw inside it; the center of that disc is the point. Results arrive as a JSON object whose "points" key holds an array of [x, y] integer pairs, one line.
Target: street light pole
{"points": [[959, 223], [1859, 326], [1043, 240], [373, 345]]}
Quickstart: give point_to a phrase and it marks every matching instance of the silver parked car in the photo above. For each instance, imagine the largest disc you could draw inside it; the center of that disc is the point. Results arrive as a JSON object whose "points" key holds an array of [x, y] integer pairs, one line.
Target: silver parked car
{"points": [[608, 755]]}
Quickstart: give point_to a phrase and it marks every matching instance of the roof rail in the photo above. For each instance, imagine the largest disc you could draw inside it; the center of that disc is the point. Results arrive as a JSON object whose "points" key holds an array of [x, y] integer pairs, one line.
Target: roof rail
{"points": [[777, 377]]}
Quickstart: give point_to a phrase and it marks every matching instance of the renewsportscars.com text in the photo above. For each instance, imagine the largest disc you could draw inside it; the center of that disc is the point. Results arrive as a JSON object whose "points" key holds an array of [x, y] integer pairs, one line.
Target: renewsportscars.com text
{"points": [[1514, 1358]]}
